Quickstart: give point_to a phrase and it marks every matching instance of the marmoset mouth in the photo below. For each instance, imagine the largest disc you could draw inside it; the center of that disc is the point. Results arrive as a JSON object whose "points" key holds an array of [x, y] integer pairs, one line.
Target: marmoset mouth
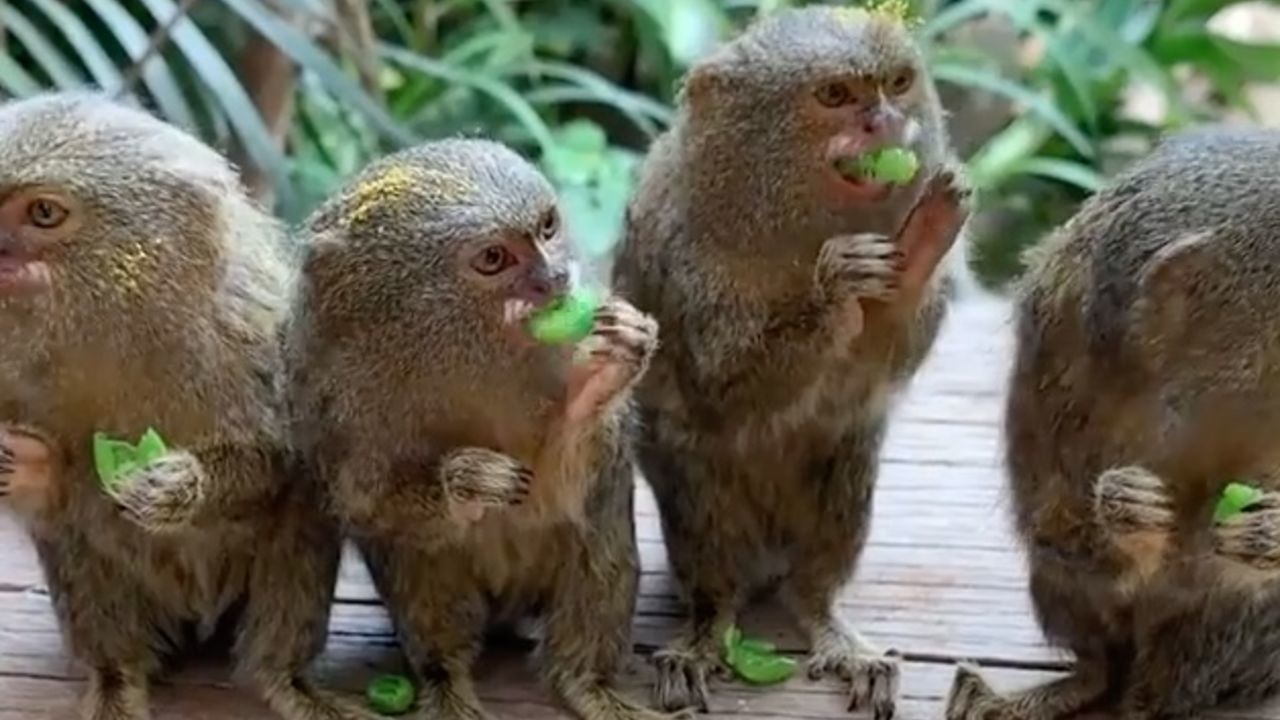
{"points": [[856, 183], [21, 274]]}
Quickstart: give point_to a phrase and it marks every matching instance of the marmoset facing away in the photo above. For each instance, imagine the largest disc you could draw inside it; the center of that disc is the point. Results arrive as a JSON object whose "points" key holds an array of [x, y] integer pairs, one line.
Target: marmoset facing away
{"points": [[1146, 379], [485, 477], [140, 288], [794, 302]]}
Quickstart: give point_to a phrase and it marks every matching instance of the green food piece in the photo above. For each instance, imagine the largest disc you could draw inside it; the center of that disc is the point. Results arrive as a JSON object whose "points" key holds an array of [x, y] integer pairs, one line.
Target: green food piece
{"points": [[760, 669], [1235, 499], [115, 459], [566, 320], [755, 661], [889, 164], [756, 645], [391, 694]]}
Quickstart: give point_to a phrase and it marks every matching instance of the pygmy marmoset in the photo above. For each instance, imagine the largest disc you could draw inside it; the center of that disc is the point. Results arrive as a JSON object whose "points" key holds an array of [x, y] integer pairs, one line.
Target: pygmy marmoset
{"points": [[140, 288], [794, 301], [1146, 379]]}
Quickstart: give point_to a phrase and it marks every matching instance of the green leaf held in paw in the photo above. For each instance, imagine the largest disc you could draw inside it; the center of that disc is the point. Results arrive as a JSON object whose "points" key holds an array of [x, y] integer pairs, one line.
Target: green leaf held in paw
{"points": [[756, 661], [566, 320], [391, 694], [115, 459], [1236, 498], [888, 165]]}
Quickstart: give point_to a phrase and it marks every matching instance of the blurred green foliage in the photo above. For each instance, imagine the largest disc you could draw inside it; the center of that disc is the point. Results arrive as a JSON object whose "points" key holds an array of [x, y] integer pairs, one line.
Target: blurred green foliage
{"points": [[582, 86]]}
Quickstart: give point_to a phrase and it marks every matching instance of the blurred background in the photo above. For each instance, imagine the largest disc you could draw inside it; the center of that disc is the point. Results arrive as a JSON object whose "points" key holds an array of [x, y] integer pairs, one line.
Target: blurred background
{"points": [[1047, 97]]}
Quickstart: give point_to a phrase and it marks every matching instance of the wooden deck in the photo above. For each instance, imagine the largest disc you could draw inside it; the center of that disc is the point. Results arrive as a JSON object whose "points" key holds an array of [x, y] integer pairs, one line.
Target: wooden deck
{"points": [[940, 581]]}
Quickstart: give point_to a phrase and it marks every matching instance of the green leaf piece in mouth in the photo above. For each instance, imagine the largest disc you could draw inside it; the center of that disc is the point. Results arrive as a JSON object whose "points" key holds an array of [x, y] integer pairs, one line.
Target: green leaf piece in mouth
{"points": [[567, 319], [888, 165]]}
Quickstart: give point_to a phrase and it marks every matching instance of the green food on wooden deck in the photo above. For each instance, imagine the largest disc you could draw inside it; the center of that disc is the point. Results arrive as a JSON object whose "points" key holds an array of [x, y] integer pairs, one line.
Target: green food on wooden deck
{"points": [[391, 694], [115, 459], [889, 164], [756, 661], [567, 319], [1236, 498]]}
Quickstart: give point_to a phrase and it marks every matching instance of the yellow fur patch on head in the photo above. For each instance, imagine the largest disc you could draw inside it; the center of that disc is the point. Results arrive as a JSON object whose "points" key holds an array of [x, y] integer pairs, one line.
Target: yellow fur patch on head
{"points": [[851, 16], [129, 265], [401, 181], [899, 11]]}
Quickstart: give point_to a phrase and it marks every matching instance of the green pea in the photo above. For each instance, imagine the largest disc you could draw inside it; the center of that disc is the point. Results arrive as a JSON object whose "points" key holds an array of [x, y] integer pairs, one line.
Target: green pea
{"points": [[1235, 499], [391, 694], [566, 320]]}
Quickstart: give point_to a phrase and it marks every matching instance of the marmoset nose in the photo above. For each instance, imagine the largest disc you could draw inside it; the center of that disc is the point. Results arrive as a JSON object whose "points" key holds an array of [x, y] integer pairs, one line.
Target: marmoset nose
{"points": [[547, 284], [881, 125]]}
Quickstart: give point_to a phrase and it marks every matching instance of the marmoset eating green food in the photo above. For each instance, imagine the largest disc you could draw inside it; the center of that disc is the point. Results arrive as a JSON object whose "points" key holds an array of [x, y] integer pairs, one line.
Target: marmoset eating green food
{"points": [[565, 320], [887, 165]]}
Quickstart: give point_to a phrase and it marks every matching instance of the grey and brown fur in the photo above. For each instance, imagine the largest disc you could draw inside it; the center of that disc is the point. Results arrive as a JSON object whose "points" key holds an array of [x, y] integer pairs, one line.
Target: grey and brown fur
{"points": [[162, 311], [1146, 378], [484, 477], [787, 326]]}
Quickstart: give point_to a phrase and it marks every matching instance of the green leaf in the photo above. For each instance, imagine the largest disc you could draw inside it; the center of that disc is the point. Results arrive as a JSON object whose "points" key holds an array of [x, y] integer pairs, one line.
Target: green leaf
{"points": [[694, 28], [594, 182], [763, 669], [755, 661], [1072, 173], [1008, 149], [296, 45], [757, 645], [1236, 497], [562, 30], [1258, 62], [238, 108], [566, 320], [1136, 24], [156, 75], [1035, 102], [503, 94], [583, 136], [503, 14], [86, 45], [113, 459], [1134, 59], [61, 71], [399, 20], [636, 106], [1199, 11], [690, 28], [15, 80], [1229, 64], [953, 16]]}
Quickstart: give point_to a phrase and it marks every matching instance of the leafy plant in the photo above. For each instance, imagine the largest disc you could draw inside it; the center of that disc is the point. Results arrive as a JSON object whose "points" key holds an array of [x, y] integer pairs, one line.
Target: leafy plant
{"points": [[1076, 130]]}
